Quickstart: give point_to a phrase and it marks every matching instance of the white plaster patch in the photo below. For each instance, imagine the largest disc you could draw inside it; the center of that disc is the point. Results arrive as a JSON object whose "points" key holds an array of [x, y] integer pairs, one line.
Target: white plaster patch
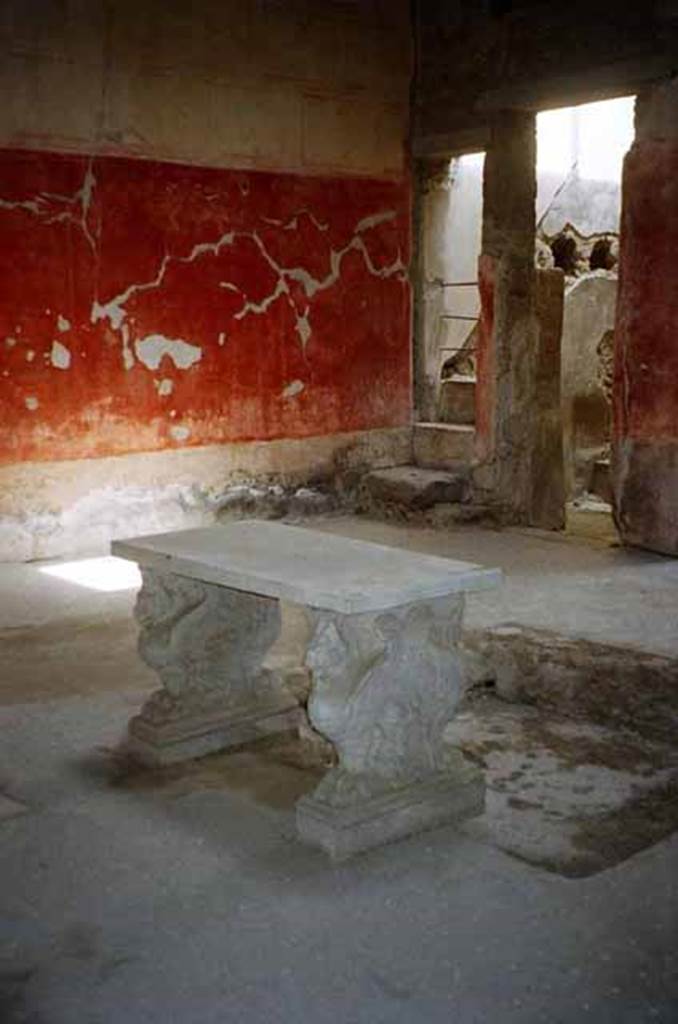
{"points": [[303, 329], [114, 310], [164, 387], [63, 324], [293, 389], [261, 307], [30, 355], [127, 354], [10, 342], [222, 339], [31, 403], [180, 433], [375, 220], [60, 356], [293, 223], [152, 349]]}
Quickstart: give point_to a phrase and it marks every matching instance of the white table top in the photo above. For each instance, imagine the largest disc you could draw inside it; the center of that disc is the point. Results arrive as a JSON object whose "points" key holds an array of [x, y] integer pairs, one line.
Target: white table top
{"points": [[305, 566]]}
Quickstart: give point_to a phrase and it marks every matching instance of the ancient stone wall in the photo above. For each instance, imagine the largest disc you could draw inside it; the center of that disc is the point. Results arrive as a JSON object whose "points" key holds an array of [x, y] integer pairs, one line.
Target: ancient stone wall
{"points": [[508, 333], [645, 449], [322, 88], [147, 306], [204, 223]]}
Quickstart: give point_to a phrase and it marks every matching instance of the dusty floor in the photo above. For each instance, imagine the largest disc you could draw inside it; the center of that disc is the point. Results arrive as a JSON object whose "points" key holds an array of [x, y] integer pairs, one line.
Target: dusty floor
{"points": [[184, 896], [565, 794]]}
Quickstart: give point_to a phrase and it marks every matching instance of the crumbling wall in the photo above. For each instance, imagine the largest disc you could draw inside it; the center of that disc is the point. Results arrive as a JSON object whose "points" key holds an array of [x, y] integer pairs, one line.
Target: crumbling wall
{"points": [[508, 334], [588, 330], [318, 88], [204, 224], [146, 306], [645, 448]]}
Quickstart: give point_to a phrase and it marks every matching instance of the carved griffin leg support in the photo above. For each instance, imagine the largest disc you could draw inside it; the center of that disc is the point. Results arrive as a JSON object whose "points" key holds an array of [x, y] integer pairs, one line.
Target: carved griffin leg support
{"points": [[207, 643], [385, 685]]}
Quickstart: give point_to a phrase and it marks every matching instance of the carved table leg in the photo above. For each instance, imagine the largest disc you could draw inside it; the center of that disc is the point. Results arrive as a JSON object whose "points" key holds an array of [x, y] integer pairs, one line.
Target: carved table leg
{"points": [[385, 685], [207, 643]]}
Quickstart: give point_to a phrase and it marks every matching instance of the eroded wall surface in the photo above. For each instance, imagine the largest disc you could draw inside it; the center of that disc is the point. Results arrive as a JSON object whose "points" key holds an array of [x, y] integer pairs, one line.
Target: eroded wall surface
{"points": [[322, 87], [147, 306], [204, 245], [645, 446]]}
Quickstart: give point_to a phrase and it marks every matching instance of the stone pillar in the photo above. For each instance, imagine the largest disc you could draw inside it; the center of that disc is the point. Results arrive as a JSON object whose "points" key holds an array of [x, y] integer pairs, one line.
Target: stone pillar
{"points": [[645, 395], [506, 411], [548, 491]]}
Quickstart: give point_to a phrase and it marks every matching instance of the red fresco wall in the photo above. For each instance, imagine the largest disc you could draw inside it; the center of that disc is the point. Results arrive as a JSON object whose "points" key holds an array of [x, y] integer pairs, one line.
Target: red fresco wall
{"points": [[645, 393], [646, 370], [147, 305]]}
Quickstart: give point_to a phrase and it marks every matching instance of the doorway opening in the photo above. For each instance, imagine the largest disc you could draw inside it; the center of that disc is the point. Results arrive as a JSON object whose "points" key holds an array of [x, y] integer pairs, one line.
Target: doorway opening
{"points": [[580, 156], [580, 153], [450, 241]]}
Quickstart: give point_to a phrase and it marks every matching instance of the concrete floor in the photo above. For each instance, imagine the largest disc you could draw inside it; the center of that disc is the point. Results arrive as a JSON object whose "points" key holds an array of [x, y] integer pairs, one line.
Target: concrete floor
{"points": [[188, 899]]}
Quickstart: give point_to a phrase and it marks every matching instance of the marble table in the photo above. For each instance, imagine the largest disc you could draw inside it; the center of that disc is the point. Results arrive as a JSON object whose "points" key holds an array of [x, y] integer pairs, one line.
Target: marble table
{"points": [[384, 655]]}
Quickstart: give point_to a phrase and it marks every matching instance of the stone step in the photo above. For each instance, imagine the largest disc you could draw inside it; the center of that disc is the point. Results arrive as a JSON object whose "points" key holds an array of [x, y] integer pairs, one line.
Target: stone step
{"points": [[415, 488], [457, 400], [446, 446]]}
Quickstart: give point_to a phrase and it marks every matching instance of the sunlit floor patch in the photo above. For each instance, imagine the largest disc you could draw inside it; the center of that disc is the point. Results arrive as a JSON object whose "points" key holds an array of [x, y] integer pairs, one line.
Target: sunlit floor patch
{"points": [[106, 573]]}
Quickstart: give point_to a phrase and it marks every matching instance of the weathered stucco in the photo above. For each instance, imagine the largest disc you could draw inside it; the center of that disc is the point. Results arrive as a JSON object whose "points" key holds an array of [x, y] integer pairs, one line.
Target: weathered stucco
{"points": [[203, 306], [646, 367], [547, 504], [243, 278], [588, 322], [64, 507], [508, 334], [320, 88]]}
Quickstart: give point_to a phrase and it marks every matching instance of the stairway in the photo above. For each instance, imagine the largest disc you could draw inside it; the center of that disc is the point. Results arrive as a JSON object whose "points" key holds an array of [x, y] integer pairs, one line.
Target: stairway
{"points": [[442, 455]]}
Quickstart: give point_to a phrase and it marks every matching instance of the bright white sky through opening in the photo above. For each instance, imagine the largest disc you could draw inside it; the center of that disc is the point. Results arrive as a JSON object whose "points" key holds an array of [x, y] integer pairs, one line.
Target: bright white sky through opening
{"points": [[596, 136]]}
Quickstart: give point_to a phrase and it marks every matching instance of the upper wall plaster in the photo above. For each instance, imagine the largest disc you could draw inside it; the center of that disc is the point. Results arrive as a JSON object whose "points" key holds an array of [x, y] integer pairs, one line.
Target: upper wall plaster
{"points": [[300, 85]]}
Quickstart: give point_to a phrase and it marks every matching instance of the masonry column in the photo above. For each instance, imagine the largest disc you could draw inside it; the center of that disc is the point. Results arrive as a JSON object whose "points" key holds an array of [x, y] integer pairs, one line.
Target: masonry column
{"points": [[645, 399], [508, 334]]}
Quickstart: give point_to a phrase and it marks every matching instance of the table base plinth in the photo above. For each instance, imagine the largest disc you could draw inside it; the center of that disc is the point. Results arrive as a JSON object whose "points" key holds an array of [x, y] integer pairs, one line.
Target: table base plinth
{"points": [[344, 831], [201, 733]]}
